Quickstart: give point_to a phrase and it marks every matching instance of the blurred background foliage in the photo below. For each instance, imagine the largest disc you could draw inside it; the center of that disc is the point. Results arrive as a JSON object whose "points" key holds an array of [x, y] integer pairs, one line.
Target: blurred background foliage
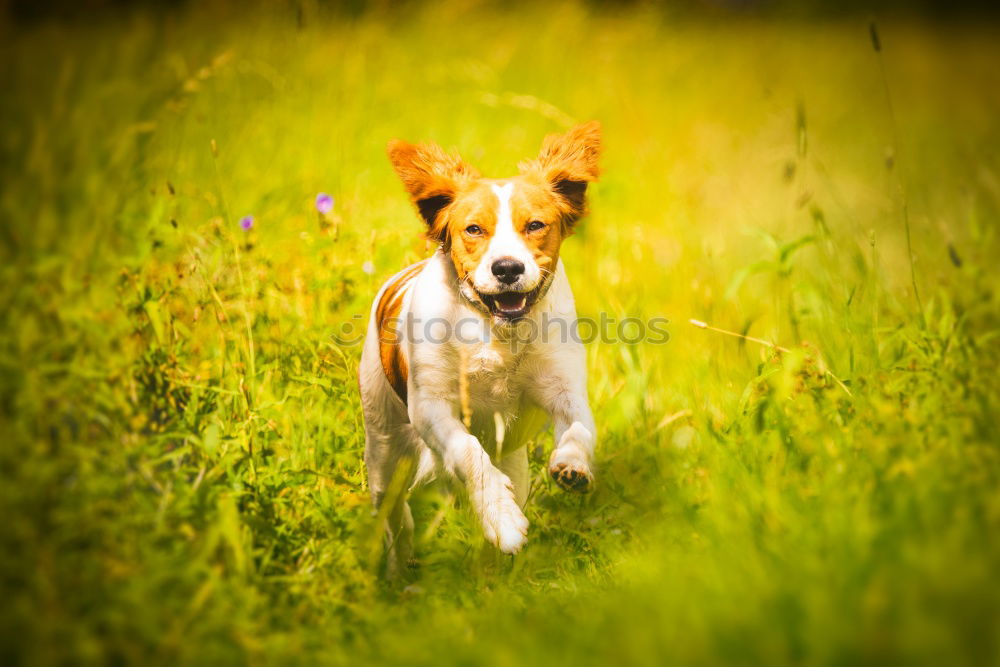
{"points": [[181, 476]]}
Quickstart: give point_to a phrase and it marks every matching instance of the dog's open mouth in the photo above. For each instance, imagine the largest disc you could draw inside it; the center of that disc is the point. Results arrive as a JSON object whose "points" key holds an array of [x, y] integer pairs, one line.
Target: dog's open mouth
{"points": [[509, 305]]}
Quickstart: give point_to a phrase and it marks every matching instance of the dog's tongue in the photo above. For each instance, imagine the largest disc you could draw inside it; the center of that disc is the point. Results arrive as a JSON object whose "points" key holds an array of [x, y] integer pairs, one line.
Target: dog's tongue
{"points": [[510, 302]]}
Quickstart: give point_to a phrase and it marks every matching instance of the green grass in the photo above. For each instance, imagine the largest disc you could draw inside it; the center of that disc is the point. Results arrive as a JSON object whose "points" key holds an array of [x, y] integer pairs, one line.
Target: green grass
{"points": [[181, 478]]}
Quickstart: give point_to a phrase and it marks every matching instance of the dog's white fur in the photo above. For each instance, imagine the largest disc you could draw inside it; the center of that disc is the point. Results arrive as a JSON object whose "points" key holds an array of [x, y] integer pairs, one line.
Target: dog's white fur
{"points": [[428, 433]]}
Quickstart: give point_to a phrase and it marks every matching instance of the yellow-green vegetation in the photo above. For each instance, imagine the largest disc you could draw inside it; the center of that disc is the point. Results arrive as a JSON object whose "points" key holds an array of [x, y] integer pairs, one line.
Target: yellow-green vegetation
{"points": [[182, 476]]}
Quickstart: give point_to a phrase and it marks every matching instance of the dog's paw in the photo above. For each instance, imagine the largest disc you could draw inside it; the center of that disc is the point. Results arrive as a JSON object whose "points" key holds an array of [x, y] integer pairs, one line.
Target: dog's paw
{"points": [[570, 470], [504, 524]]}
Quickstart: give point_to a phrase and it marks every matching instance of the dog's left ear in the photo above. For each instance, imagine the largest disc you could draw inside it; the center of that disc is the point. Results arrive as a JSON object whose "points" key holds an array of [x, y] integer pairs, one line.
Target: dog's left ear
{"points": [[568, 162]]}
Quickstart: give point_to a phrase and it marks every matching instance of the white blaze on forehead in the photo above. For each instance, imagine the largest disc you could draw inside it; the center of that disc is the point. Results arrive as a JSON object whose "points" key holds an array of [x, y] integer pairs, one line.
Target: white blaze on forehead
{"points": [[505, 241], [505, 221]]}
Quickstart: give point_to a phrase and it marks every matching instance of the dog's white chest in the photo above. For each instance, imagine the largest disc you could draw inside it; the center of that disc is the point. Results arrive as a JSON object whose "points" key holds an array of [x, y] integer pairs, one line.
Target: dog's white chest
{"points": [[494, 376]]}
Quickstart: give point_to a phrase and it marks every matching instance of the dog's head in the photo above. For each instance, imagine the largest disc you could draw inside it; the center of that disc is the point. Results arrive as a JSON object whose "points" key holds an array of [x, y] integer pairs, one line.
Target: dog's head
{"points": [[503, 235]]}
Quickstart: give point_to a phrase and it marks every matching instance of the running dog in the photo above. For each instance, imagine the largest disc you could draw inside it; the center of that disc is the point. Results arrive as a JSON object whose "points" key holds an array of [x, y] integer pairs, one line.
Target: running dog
{"points": [[463, 360]]}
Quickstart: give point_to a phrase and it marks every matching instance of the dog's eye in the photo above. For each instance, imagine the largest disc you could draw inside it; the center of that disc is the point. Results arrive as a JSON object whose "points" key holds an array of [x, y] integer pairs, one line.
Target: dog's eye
{"points": [[474, 230], [535, 225]]}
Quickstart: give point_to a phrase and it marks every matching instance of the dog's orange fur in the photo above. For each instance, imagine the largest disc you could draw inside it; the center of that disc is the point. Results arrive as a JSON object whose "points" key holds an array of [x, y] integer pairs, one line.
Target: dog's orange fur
{"points": [[387, 319], [450, 195]]}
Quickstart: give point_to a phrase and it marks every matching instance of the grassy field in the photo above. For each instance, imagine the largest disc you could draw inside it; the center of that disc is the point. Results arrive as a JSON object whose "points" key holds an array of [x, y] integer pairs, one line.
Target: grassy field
{"points": [[181, 476]]}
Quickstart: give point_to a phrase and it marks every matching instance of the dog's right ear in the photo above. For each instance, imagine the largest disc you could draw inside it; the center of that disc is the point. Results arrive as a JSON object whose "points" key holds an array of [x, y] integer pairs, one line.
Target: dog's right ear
{"points": [[432, 178]]}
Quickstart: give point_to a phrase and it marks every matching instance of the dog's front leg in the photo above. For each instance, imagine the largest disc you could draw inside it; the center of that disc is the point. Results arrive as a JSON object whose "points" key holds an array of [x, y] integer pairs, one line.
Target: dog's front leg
{"points": [[560, 389], [570, 464], [490, 491]]}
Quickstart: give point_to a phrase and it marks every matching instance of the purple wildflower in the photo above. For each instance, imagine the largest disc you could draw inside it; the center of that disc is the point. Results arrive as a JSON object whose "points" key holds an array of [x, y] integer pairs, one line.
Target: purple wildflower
{"points": [[246, 223], [324, 203]]}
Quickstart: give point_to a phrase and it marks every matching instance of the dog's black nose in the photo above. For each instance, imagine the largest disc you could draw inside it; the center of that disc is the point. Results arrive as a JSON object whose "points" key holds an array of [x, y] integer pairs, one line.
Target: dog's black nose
{"points": [[507, 270]]}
